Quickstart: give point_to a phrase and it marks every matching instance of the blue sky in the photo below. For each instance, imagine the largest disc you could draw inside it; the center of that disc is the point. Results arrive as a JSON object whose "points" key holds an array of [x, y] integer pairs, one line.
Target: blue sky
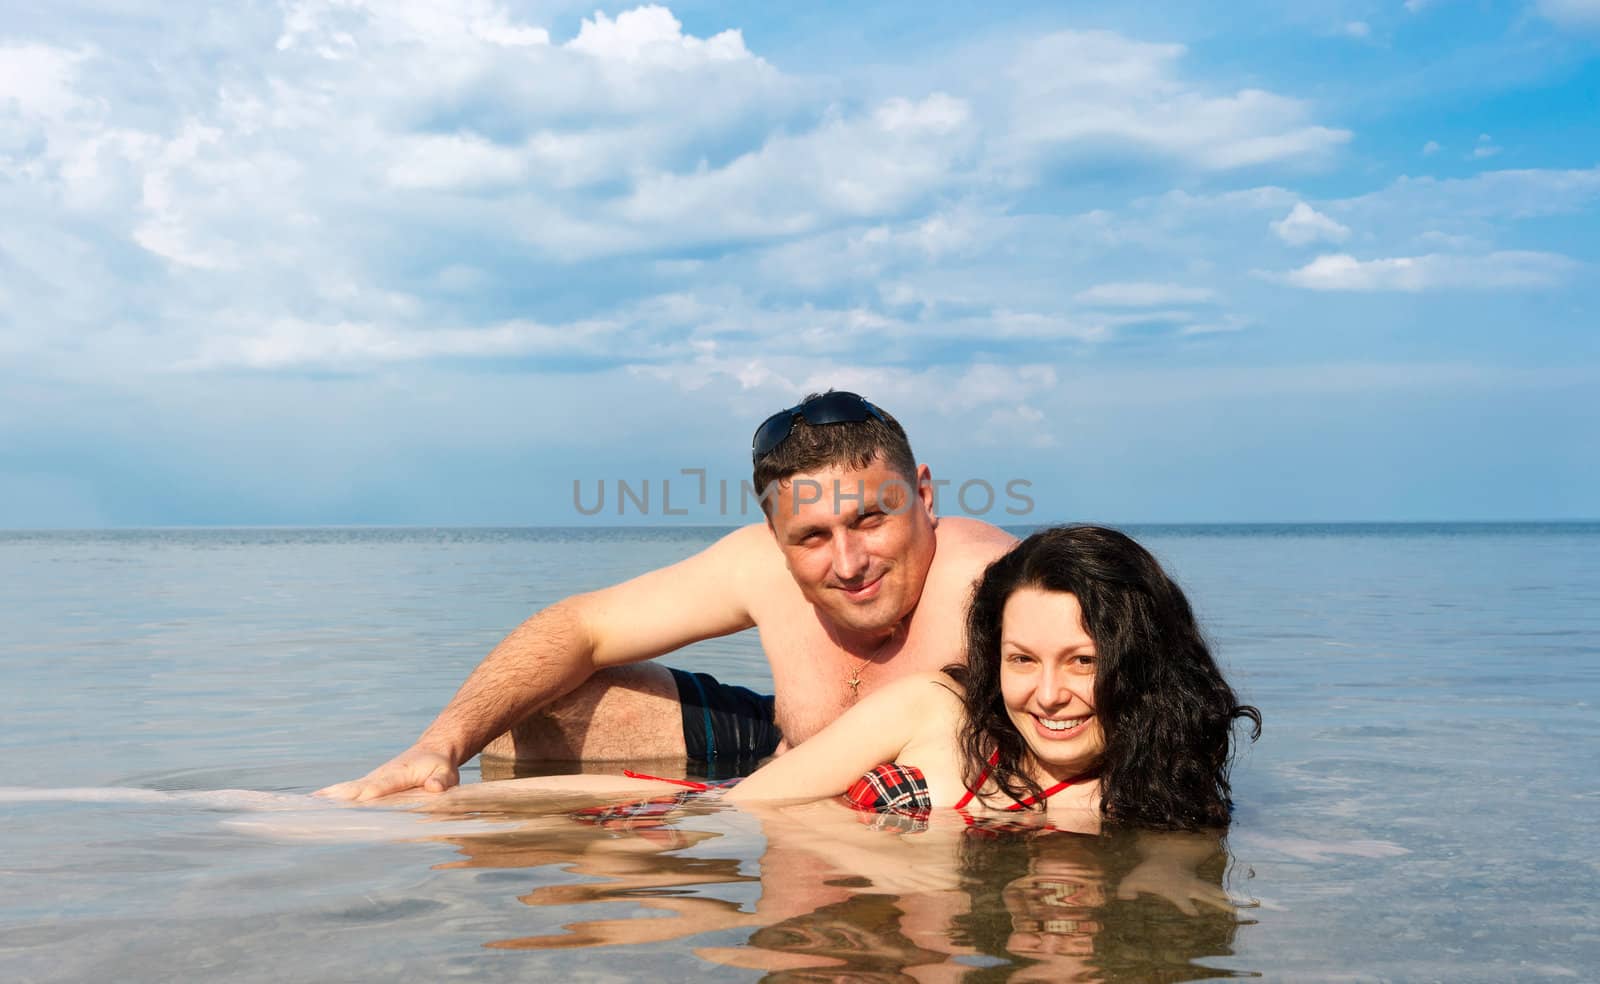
{"points": [[341, 261]]}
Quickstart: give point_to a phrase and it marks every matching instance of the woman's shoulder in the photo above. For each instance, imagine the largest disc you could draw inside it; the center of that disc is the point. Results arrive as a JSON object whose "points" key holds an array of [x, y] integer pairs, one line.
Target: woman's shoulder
{"points": [[927, 686], [930, 699]]}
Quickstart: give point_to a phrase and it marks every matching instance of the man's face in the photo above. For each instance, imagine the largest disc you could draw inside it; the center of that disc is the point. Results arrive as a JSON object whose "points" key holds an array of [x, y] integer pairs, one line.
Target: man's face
{"points": [[858, 542]]}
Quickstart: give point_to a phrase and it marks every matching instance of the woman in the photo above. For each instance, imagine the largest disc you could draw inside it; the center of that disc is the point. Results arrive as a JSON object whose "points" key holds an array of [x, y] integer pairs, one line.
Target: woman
{"points": [[1087, 687]]}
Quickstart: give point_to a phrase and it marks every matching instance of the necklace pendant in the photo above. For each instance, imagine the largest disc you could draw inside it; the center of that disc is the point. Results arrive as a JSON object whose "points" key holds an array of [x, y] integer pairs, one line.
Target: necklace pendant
{"points": [[854, 683]]}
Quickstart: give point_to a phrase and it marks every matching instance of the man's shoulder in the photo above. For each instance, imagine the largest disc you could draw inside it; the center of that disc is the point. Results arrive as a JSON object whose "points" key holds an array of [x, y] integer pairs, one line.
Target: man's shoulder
{"points": [[964, 541], [740, 557], [753, 540], [753, 556]]}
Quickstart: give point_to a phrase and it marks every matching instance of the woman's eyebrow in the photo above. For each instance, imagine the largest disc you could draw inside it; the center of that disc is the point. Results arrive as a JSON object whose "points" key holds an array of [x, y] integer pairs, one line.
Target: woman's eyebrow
{"points": [[1088, 647]]}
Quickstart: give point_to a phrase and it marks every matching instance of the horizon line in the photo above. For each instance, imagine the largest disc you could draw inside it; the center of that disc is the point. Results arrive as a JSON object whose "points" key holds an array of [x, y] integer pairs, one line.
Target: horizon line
{"points": [[219, 527]]}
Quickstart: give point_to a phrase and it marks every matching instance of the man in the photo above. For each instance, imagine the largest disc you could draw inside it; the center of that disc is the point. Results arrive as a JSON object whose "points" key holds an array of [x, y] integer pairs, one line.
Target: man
{"points": [[852, 582]]}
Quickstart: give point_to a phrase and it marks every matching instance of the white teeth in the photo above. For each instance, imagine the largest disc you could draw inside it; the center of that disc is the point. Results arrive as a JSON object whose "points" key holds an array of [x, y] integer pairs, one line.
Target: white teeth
{"points": [[1060, 725]]}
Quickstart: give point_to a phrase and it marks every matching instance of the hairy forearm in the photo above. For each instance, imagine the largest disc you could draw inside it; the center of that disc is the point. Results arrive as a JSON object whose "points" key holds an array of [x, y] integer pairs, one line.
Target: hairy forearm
{"points": [[543, 659]]}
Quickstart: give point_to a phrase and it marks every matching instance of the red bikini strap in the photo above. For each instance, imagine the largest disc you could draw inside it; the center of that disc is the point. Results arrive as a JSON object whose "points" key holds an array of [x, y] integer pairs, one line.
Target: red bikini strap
{"points": [[676, 782], [1029, 801], [983, 777], [1014, 807]]}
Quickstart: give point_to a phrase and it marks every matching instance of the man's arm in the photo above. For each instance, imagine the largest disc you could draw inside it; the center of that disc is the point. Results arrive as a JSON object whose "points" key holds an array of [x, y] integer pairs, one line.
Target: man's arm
{"points": [[557, 649]]}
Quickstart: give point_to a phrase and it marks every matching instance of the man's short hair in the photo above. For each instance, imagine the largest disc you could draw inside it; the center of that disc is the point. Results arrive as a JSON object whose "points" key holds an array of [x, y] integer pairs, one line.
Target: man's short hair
{"points": [[848, 444]]}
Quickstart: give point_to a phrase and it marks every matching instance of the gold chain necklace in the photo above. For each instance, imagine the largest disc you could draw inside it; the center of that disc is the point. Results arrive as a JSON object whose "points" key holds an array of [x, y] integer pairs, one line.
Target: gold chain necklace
{"points": [[854, 682]]}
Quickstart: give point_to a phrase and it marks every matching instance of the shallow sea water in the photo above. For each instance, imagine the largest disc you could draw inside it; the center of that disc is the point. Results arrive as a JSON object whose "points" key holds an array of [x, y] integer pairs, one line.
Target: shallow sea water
{"points": [[1422, 805]]}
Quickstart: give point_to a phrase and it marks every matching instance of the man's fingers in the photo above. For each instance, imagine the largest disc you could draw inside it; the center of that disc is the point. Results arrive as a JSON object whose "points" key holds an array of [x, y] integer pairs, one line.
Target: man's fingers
{"points": [[440, 779], [425, 772], [355, 791]]}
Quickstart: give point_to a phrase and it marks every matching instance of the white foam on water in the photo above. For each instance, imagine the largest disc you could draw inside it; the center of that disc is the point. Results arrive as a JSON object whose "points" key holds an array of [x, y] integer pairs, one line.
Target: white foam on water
{"points": [[107, 794], [277, 816], [224, 799]]}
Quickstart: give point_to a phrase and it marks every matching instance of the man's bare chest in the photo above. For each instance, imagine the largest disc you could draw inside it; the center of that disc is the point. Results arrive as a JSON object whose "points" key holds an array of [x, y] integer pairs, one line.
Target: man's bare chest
{"points": [[815, 680]]}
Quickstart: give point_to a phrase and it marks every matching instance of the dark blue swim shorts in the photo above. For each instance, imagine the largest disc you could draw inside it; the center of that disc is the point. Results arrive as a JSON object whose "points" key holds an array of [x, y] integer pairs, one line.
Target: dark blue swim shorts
{"points": [[723, 723]]}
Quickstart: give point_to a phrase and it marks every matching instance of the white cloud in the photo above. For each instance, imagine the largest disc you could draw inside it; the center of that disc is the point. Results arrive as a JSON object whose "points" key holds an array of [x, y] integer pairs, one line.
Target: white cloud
{"points": [[1356, 29], [1435, 239], [957, 233], [986, 384], [37, 81], [1143, 294], [1305, 224], [1516, 194], [1006, 324], [1571, 13], [374, 183], [391, 111], [652, 34], [945, 389], [1223, 327], [335, 29], [1434, 271], [1094, 92], [1485, 147], [291, 343], [454, 161], [169, 229], [1012, 427], [1431, 147], [861, 166]]}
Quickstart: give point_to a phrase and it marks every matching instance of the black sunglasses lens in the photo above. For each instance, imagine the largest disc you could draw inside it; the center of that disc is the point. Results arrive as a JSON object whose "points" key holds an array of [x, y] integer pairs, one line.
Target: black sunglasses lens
{"points": [[836, 408], [773, 433], [829, 408]]}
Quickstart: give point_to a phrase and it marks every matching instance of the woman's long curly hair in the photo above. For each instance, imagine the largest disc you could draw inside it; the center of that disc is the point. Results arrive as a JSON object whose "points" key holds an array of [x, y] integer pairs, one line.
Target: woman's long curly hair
{"points": [[1166, 712]]}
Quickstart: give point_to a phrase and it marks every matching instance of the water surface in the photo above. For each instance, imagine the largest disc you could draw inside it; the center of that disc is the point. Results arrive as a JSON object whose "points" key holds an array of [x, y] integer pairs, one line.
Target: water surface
{"points": [[1422, 806]]}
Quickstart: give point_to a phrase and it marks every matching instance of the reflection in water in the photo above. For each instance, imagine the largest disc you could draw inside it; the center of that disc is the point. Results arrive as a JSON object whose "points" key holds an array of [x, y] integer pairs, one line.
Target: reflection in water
{"points": [[1050, 904], [859, 939], [841, 901], [654, 867]]}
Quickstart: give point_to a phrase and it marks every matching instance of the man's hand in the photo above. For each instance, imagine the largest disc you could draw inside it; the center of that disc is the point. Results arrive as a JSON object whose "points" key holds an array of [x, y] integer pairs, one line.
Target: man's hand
{"points": [[415, 768]]}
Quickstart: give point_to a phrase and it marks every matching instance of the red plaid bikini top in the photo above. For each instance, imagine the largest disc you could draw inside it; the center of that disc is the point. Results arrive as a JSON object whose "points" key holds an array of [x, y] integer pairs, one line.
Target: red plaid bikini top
{"points": [[893, 788]]}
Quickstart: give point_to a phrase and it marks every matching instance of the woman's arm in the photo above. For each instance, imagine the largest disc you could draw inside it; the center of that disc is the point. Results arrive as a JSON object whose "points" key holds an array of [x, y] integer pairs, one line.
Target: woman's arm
{"points": [[518, 793], [869, 734]]}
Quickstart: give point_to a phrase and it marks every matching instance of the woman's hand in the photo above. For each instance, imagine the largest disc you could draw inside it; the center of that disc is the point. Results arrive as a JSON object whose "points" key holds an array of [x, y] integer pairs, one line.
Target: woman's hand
{"points": [[1177, 884], [1169, 869]]}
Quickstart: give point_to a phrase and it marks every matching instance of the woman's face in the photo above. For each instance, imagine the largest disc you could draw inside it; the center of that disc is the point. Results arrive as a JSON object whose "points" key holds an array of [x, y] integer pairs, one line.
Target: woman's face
{"points": [[1047, 666]]}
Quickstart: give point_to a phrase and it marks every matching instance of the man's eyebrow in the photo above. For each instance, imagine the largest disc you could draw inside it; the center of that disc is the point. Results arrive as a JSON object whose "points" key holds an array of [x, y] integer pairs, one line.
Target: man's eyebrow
{"points": [[801, 532]]}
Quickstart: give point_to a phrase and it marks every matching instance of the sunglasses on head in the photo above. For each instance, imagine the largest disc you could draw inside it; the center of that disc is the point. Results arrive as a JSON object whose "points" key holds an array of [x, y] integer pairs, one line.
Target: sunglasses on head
{"points": [[829, 408]]}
